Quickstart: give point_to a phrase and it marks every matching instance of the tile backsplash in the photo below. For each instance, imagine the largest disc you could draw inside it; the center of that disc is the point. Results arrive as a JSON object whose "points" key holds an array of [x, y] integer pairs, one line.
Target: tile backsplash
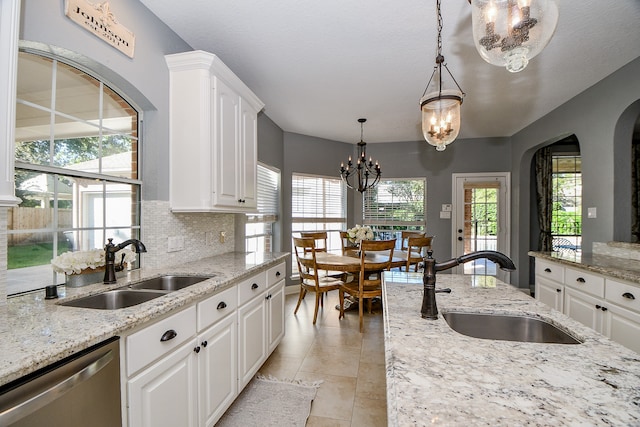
{"points": [[159, 224]]}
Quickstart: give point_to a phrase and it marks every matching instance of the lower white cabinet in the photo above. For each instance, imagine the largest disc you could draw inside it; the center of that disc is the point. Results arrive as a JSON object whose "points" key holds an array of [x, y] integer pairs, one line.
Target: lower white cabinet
{"points": [[607, 305], [187, 369]]}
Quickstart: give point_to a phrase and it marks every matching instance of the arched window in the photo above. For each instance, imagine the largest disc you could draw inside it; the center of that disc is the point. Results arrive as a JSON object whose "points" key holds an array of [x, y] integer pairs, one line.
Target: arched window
{"points": [[76, 169]]}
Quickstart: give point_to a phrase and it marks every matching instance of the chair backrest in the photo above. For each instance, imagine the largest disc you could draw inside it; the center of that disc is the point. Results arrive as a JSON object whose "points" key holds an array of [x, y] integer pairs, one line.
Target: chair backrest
{"points": [[372, 277], [415, 249], [405, 236], [346, 243], [305, 249], [320, 238]]}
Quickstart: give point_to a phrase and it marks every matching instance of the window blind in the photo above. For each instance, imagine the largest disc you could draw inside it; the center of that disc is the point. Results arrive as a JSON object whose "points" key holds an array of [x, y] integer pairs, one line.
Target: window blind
{"points": [[317, 199], [268, 195], [396, 202]]}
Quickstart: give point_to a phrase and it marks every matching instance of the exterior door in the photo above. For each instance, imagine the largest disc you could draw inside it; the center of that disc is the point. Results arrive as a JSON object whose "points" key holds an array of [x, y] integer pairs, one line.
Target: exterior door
{"points": [[481, 220]]}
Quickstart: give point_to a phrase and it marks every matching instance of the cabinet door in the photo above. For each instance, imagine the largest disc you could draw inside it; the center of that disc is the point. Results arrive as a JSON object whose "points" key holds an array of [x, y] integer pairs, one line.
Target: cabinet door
{"points": [[622, 326], [550, 293], [217, 370], [248, 158], [227, 138], [252, 340], [276, 315], [165, 393], [583, 308]]}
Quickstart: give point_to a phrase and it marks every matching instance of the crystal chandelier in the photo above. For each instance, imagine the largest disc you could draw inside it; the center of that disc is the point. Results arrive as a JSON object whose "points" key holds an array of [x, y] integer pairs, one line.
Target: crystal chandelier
{"points": [[440, 107], [511, 32], [364, 171]]}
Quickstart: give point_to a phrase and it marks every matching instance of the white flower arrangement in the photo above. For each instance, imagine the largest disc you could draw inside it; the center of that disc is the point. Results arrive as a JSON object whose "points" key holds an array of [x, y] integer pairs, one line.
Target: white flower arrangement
{"points": [[359, 233], [76, 262]]}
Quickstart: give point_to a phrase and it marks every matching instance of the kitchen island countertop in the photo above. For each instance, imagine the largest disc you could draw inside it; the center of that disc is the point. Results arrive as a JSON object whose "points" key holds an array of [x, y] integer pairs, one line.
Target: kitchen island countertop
{"points": [[36, 332], [436, 376]]}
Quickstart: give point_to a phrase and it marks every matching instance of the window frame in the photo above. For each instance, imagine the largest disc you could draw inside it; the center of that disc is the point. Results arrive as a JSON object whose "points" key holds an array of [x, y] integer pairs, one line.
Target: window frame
{"points": [[567, 241], [268, 213]]}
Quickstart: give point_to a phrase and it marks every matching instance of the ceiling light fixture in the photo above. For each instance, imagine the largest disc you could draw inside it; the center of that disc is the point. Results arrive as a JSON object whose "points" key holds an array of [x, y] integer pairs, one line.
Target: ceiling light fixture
{"points": [[441, 107], [365, 170], [511, 32]]}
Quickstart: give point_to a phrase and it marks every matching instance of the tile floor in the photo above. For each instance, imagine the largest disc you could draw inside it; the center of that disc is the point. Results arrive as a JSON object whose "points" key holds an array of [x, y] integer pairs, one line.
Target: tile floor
{"points": [[350, 364]]}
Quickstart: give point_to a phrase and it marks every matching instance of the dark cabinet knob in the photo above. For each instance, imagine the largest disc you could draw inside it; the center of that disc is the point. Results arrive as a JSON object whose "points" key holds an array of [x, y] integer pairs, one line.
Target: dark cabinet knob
{"points": [[277, 274], [460, 239], [204, 343], [598, 307], [197, 349], [547, 270], [222, 305], [254, 286], [169, 335], [558, 290], [604, 309], [580, 280]]}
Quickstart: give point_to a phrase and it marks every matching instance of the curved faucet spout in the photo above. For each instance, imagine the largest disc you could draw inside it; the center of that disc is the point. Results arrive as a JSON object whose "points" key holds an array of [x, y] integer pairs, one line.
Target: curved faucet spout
{"points": [[499, 258], [429, 308]]}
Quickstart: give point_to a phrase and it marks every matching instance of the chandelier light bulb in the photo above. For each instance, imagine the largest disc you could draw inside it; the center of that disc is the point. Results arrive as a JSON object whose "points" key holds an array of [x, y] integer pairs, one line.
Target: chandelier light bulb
{"points": [[509, 33]]}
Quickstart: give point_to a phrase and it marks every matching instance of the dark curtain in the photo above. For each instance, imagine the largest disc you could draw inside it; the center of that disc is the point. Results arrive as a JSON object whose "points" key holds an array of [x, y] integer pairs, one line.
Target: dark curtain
{"points": [[544, 169]]}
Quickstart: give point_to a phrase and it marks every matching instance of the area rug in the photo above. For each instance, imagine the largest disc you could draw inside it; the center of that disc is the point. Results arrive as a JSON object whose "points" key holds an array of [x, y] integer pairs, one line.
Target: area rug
{"points": [[268, 401]]}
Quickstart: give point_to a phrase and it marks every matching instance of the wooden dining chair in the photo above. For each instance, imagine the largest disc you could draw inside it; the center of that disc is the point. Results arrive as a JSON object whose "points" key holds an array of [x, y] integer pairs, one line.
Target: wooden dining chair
{"points": [[348, 248], [319, 236], [369, 284], [405, 237], [416, 247], [310, 279]]}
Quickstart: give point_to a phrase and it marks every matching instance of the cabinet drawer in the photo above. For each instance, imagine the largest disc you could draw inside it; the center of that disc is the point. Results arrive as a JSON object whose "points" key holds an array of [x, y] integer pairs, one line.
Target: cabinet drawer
{"points": [[586, 282], [217, 307], [275, 274], [160, 338], [550, 270], [623, 294], [249, 288]]}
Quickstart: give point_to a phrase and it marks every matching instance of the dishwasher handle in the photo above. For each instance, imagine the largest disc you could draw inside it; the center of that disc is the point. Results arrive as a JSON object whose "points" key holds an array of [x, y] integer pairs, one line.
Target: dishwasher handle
{"points": [[50, 394]]}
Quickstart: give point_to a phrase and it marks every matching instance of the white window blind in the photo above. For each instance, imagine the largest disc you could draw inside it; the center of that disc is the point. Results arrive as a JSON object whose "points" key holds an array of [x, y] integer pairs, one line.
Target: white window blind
{"points": [[317, 199], [396, 202], [268, 195]]}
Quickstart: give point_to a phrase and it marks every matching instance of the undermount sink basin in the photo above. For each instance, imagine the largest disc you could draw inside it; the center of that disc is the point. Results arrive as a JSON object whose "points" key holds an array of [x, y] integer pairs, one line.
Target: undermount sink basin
{"points": [[169, 282], [507, 328], [115, 299]]}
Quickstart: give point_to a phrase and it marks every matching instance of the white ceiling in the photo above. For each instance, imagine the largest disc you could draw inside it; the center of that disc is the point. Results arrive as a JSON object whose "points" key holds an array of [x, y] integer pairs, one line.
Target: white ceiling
{"points": [[320, 65]]}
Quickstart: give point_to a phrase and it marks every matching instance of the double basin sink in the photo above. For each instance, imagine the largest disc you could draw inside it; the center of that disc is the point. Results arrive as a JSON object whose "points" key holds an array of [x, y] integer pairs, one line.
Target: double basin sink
{"points": [[136, 293]]}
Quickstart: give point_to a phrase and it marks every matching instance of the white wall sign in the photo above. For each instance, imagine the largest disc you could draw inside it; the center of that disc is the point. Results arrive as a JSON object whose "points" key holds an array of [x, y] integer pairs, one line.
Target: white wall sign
{"points": [[101, 22]]}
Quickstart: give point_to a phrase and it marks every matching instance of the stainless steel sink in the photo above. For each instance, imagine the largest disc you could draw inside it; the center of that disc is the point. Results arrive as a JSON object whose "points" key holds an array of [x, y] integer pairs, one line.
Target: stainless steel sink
{"points": [[115, 299], [169, 282], [507, 328]]}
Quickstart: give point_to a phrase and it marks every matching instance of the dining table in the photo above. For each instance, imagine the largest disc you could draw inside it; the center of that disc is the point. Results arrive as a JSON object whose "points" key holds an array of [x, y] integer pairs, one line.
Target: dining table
{"points": [[350, 262]]}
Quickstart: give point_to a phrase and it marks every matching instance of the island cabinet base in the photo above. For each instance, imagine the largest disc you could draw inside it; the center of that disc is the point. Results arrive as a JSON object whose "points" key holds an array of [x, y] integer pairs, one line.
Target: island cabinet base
{"points": [[607, 305], [201, 358]]}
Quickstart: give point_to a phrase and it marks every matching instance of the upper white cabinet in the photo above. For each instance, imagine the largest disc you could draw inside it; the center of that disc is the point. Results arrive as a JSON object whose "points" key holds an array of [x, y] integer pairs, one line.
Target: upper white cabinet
{"points": [[213, 136]]}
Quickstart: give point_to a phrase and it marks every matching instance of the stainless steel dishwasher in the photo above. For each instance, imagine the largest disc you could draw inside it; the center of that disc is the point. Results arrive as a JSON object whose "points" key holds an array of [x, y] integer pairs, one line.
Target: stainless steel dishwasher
{"points": [[81, 390]]}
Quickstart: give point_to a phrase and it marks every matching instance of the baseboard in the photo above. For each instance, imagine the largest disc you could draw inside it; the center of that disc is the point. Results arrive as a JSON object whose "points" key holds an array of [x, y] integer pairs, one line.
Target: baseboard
{"points": [[293, 289]]}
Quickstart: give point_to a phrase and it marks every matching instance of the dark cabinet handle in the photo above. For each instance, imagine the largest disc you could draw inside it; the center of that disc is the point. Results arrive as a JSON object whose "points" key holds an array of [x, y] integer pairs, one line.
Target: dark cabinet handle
{"points": [[268, 296], [460, 239], [197, 349], [254, 286], [547, 270], [580, 280], [558, 290], [169, 335], [598, 307], [628, 295], [204, 343], [222, 305], [277, 274], [604, 309]]}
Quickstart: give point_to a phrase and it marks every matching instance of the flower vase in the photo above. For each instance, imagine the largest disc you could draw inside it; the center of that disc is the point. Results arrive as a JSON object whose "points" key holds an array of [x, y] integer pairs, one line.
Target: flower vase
{"points": [[87, 276]]}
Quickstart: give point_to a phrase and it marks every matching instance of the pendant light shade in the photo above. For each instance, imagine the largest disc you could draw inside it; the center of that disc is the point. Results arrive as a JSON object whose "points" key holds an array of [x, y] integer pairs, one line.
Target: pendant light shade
{"points": [[508, 33]]}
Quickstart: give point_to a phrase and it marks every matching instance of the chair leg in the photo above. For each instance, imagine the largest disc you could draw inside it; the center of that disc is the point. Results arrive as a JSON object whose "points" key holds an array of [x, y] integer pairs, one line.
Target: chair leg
{"points": [[341, 315], [361, 313], [315, 312], [369, 304], [303, 292]]}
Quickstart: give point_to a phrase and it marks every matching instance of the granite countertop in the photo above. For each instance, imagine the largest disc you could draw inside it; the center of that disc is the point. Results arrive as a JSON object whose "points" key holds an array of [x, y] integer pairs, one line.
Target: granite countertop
{"points": [[436, 376], [619, 268], [37, 332]]}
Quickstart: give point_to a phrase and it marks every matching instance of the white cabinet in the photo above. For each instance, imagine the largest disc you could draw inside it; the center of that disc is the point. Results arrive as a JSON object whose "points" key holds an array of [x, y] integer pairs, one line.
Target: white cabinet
{"points": [[607, 305], [213, 136]]}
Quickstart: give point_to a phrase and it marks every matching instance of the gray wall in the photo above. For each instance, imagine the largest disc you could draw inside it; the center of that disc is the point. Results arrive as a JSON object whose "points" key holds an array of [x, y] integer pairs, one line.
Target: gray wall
{"points": [[602, 119]]}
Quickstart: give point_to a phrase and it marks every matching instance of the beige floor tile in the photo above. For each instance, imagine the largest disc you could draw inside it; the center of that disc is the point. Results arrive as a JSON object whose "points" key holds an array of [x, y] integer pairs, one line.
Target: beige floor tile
{"points": [[372, 381], [281, 367], [332, 360], [335, 396], [369, 413], [313, 421]]}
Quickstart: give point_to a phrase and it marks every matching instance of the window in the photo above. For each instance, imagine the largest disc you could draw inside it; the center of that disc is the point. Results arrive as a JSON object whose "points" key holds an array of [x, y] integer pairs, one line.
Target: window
{"points": [[319, 204], [566, 219], [76, 160], [395, 205], [259, 227]]}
